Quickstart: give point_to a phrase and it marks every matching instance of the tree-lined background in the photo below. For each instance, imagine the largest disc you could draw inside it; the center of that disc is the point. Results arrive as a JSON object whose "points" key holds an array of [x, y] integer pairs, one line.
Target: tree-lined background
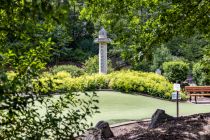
{"points": [[139, 29], [36, 35]]}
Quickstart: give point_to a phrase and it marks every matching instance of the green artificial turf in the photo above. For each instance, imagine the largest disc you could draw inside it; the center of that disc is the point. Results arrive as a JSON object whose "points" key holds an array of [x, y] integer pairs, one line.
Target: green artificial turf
{"points": [[118, 107]]}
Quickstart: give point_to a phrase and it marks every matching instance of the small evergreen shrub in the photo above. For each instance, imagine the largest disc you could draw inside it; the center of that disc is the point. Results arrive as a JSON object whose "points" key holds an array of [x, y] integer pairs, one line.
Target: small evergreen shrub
{"points": [[176, 71], [201, 74], [73, 70]]}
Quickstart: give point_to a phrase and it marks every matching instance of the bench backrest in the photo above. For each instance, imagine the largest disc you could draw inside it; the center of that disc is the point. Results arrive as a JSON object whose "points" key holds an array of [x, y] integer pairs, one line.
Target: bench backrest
{"points": [[197, 88]]}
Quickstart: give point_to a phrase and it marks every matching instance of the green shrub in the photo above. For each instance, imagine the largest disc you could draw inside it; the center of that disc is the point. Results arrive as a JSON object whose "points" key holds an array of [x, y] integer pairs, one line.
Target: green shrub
{"points": [[201, 74], [92, 65], [125, 81], [148, 83], [73, 70], [176, 71], [93, 82]]}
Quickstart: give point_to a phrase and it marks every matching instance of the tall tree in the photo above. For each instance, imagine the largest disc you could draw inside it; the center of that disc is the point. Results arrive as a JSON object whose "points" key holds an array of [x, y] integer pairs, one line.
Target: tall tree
{"points": [[25, 47], [137, 25]]}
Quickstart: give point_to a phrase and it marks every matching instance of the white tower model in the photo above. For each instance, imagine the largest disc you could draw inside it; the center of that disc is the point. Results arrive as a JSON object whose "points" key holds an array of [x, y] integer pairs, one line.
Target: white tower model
{"points": [[102, 40]]}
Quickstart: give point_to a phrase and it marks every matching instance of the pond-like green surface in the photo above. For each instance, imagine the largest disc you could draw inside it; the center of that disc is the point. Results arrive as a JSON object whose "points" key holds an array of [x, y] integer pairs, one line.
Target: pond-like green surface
{"points": [[117, 107]]}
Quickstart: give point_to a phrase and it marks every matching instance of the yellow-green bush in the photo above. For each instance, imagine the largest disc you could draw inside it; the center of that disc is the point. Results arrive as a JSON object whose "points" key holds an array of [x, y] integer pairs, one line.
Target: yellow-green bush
{"points": [[125, 81], [148, 83], [11, 75], [93, 82]]}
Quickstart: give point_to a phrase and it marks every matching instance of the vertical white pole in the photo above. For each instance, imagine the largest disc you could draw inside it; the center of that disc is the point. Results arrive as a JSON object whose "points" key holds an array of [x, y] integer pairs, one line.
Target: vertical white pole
{"points": [[102, 40], [103, 58]]}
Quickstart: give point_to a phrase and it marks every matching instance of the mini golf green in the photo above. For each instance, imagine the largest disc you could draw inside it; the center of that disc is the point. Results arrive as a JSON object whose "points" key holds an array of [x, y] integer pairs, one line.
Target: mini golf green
{"points": [[118, 107]]}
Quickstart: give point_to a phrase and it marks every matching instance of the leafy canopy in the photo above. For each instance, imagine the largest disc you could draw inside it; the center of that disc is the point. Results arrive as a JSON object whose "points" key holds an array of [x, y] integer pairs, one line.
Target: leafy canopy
{"points": [[25, 48], [137, 26]]}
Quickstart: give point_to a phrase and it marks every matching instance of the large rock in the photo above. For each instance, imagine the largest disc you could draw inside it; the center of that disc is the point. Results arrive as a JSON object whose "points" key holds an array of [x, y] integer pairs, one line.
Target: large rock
{"points": [[158, 117], [92, 134], [105, 129]]}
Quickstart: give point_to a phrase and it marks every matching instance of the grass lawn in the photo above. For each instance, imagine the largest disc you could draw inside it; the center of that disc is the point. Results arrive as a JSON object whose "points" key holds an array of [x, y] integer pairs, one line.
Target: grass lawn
{"points": [[117, 107]]}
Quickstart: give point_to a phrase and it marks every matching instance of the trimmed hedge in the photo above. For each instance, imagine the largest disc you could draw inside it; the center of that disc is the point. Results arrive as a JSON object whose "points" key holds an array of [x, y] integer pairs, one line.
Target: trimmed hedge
{"points": [[176, 71], [148, 83], [125, 81]]}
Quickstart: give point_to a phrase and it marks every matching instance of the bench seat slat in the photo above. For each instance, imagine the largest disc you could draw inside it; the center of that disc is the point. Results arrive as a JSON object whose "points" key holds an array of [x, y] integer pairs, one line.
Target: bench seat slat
{"points": [[197, 89], [199, 94]]}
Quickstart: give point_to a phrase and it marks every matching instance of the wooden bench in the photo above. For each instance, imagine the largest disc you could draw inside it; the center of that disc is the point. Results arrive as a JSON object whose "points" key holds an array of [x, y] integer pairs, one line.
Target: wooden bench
{"points": [[197, 91]]}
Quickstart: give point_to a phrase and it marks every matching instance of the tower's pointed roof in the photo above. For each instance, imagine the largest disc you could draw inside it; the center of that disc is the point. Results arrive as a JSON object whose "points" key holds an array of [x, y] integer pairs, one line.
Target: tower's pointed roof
{"points": [[102, 37], [103, 33]]}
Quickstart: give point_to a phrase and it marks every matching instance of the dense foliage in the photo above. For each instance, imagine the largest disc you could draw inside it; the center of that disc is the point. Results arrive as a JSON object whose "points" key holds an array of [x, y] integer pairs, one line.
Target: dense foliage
{"points": [[34, 33], [125, 81], [136, 27], [139, 26], [176, 71], [188, 48], [160, 55], [73, 70], [201, 74], [26, 45], [148, 83]]}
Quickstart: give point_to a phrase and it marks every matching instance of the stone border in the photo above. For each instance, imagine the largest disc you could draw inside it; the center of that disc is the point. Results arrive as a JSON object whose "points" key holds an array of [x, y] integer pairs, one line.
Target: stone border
{"points": [[147, 120], [128, 123]]}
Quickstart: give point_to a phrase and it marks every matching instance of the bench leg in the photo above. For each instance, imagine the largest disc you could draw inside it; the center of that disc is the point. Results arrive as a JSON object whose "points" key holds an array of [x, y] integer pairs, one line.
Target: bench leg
{"points": [[190, 98], [196, 99]]}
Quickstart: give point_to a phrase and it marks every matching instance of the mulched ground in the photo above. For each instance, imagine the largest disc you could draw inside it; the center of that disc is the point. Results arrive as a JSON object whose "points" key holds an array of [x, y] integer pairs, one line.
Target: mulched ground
{"points": [[194, 127]]}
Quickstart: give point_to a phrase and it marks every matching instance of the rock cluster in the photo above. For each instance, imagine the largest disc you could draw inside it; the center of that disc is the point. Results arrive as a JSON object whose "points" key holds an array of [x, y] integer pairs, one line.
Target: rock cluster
{"points": [[101, 131], [158, 117]]}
